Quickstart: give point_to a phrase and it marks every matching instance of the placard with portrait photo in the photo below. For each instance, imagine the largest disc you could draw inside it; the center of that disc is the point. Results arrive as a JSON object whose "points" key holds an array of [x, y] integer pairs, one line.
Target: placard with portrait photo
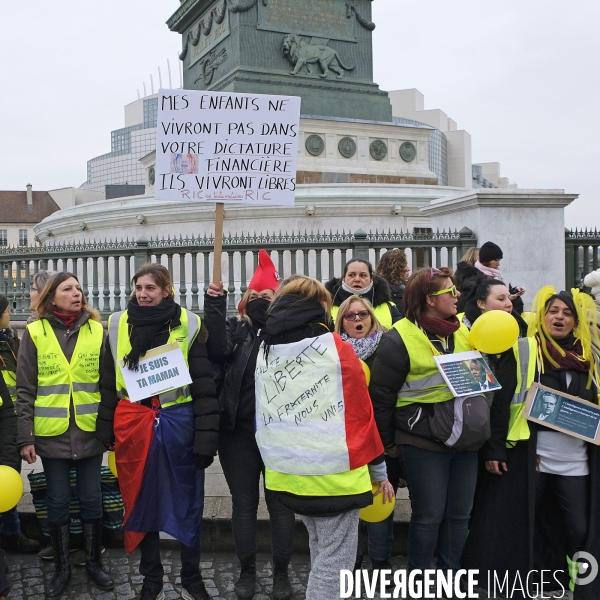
{"points": [[563, 412], [467, 373]]}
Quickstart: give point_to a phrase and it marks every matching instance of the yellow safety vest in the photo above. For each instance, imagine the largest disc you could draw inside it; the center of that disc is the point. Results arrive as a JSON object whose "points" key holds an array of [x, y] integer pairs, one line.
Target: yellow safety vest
{"points": [[349, 483], [120, 345], [424, 383], [60, 381], [525, 351], [10, 378], [383, 313]]}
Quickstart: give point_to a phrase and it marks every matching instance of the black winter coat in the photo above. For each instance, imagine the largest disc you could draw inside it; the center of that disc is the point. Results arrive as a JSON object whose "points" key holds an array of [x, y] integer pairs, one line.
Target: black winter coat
{"points": [[506, 533], [380, 294], [230, 344], [9, 453], [203, 391]]}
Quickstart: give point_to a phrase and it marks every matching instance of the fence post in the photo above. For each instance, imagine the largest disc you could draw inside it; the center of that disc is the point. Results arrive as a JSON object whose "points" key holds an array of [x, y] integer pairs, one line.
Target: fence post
{"points": [[141, 254], [465, 242], [360, 247], [569, 263]]}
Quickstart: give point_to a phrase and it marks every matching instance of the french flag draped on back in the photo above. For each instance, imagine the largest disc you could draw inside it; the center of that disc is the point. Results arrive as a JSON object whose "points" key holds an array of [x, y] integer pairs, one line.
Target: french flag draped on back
{"points": [[313, 411], [161, 487]]}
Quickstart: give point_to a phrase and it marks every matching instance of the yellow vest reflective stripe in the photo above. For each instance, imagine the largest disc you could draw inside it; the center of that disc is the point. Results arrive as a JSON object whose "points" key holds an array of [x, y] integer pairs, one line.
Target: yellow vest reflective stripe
{"points": [[383, 313], [424, 383], [10, 378], [525, 351], [60, 381], [185, 334], [338, 484]]}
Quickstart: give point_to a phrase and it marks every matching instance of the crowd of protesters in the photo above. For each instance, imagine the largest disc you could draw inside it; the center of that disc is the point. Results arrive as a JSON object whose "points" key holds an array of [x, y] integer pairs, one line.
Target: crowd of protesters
{"points": [[513, 496]]}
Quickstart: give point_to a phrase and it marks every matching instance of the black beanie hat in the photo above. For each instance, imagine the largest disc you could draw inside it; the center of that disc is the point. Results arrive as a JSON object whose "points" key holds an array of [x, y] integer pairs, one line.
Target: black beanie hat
{"points": [[489, 251], [3, 303]]}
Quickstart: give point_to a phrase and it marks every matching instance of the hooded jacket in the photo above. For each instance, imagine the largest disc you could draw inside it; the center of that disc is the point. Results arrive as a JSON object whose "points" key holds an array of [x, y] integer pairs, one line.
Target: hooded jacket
{"points": [[292, 319], [379, 294]]}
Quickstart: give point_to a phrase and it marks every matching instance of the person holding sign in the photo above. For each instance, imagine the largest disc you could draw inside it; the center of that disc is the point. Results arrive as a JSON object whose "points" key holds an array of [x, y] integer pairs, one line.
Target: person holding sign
{"points": [[58, 392], [315, 429], [408, 394], [233, 346], [359, 280], [358, 325], [164, 433], [544, 482]]}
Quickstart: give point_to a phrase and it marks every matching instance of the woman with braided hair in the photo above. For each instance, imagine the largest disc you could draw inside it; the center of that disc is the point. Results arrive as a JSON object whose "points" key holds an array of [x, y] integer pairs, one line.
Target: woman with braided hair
{"points": [[541, 485]]}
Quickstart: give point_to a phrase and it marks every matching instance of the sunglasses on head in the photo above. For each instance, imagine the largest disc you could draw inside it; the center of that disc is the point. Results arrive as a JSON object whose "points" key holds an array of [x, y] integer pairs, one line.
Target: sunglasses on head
{"points": [[361, 314], [451, 290]]}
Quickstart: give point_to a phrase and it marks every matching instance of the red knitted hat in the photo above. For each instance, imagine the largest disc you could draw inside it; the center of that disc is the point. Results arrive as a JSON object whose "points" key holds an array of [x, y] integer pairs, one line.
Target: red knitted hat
{"points": [[266, 276]]}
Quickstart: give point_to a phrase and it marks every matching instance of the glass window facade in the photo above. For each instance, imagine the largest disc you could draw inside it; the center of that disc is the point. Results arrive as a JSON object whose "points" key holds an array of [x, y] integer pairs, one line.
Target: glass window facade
{"points": [[3, 237], [150, 111], [22, 237], [437, 149]]}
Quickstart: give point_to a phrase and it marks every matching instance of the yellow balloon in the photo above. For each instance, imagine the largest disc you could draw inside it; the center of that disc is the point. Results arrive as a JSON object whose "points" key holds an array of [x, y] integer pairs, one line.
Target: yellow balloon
{"points": [[11, 488], [378, 511], [367, 371], [494, 332], [112, 463]]}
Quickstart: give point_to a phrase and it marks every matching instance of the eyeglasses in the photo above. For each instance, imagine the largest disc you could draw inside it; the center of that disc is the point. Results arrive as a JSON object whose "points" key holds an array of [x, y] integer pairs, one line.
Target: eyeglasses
{"points": [[361, 314], [451, 290]]}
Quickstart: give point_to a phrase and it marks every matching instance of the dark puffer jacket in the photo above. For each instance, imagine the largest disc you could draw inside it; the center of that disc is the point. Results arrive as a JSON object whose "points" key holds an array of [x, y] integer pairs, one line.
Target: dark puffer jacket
{"points": [[9, 454], [203, 392], [379, 294], [230, 347]]}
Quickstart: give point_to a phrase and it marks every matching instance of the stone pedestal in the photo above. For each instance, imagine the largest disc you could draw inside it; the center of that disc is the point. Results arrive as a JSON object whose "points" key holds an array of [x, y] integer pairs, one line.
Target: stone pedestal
{"points": [[327, 60], [528, 225]]}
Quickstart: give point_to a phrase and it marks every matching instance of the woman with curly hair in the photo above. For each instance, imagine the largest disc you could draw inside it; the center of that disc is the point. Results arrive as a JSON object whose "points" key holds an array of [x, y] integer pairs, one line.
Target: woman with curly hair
{"points": [[393, 267]]}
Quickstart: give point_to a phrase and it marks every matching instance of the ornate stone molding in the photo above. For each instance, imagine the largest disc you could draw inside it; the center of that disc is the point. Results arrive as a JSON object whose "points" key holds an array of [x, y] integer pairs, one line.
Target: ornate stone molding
{"points": [[216, 15], [245, 6], [350, 8], [210, 64]]}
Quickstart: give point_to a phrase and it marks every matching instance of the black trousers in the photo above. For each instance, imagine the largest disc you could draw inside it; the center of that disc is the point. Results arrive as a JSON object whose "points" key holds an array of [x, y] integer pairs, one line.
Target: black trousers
{"points": [[573, 497], [4, 583], [151, 567], [242, 467]]}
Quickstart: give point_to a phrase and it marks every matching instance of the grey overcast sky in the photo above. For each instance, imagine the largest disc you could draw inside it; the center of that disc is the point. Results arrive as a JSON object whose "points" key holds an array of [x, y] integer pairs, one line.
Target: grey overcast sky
{"points": [[520, 76]]}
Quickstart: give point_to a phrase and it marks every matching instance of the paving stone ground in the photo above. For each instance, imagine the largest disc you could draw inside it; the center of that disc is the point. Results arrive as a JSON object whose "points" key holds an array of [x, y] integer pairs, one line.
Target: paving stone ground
{"points": [[219, 571]]}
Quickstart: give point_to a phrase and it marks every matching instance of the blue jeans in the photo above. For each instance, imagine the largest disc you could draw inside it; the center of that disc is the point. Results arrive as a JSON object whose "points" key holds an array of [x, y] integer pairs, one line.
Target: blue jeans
{"points": [[441, 487], [380, 539], [9, 522], [58, 489]]}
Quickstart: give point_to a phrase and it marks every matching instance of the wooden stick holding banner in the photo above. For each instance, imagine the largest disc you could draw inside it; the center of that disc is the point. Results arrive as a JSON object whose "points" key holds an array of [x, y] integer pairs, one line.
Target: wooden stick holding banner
{"points": [[218, 246]]}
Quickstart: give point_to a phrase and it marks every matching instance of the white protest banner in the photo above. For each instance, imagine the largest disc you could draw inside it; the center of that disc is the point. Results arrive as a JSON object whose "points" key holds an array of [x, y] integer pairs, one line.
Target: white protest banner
{"points": [[226, 147], [162, 370], [300, 423]]}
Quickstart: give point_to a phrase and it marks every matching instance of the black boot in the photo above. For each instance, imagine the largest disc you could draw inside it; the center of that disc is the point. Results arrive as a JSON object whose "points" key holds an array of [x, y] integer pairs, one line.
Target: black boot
{"points": [[62, 567], [19, 543], [244, 588], [282, 588], [92, 533]]}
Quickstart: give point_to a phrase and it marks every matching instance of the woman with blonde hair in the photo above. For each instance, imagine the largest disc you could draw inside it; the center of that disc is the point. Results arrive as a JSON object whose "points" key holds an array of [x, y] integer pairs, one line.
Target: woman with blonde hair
{"points": [[542, 481], [58, 393], [233, 346], [315, 429], [358, 325]]}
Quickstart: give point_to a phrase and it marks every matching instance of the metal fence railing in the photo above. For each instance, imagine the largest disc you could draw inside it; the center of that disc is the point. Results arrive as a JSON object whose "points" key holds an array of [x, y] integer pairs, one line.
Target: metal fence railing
{"points": [[581, 255], [105, 268]]}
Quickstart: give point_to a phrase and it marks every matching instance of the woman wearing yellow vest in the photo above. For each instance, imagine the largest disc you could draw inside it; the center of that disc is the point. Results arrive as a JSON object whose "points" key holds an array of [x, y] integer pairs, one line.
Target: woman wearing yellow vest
{"points": [[358, 325], [359, 280], [543, 483], [58, 392], [406, 388], [164, 442], [315, 429]]}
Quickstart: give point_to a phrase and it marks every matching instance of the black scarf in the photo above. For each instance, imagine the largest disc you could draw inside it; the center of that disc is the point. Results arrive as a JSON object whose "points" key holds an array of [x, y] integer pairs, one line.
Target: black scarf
{"points": [[146, 322]]}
